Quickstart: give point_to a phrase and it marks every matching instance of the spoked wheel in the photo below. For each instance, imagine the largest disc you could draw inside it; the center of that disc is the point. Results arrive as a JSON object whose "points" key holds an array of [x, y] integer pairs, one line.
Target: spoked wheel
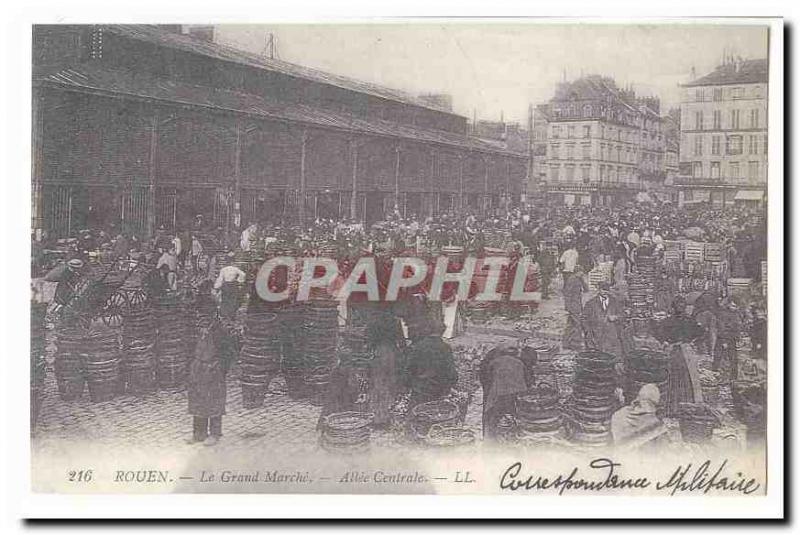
{"points": [[137, 297], [113, 308]]}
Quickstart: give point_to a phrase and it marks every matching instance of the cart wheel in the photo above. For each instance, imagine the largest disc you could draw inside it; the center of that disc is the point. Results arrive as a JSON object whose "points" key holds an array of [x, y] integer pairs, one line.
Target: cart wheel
{"points": [[137, 298], [116, 301], [83, 322], [112, 318], [112, 310]]}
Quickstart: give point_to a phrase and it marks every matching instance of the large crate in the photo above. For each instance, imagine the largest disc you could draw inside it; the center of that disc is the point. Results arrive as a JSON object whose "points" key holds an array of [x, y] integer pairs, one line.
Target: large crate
{"points": [[694, 251], [714, 252]]}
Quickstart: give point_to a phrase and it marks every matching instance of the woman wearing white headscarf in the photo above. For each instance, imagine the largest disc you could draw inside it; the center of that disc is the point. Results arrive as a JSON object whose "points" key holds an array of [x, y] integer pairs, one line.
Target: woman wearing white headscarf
{"points": [[639, 417]]}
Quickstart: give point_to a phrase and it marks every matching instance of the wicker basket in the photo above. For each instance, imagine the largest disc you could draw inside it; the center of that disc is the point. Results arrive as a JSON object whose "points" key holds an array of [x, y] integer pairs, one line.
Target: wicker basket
{"points": [[449, 436], [697, 422]]}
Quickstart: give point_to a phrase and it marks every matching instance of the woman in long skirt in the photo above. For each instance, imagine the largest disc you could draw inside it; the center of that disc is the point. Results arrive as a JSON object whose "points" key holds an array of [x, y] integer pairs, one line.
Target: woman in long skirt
{"points": [[385, 336], [677, 333]]}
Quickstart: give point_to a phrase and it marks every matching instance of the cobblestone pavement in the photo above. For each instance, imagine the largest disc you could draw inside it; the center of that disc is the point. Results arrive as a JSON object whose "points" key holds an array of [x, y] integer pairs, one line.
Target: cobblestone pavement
{"points": [[161, 419]]}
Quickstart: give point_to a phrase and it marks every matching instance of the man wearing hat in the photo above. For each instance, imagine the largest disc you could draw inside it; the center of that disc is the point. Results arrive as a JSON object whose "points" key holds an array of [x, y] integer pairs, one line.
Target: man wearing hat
{"points": [[67, 277], [602, 321]]}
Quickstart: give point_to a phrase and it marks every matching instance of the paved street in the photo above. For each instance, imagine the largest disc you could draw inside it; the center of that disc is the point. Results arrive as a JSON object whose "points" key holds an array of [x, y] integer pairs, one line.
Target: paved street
{"points": [[161, 419]]}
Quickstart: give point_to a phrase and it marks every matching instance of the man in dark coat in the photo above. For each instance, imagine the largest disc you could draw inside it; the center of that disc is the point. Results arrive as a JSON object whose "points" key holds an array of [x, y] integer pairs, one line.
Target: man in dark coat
{"points": [[729, 331], [547, 265], [602, 321], [207, 390]]}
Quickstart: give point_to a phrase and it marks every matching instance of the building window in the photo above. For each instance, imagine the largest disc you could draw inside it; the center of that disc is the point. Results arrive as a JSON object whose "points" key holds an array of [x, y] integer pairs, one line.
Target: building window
{"points": [[555, 152], [734, 119], [715, 145], [698, 145], [714, 169], [570, 151], [556, 132], [570, 173], [698, 120], [571, 132], [737, 92], [587, 131], [697, 169], [752, 144], [734, 169], [587, 110], [585, 150], [717, 118], [585, 173], [698, 94], [734, 145], [718, 93], [765, 144], [754, 118], [554, 173], [752, 170]]}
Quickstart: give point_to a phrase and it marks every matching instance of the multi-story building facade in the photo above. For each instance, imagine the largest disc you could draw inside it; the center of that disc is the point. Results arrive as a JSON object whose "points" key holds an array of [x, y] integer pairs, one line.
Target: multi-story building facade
{"points": [[140, 127], [602, 144], [671, 122], [723, 149]]}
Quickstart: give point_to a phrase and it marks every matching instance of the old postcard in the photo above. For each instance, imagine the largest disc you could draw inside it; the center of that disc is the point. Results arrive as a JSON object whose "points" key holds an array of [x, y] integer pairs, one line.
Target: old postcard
{"points": [[474, 257]]}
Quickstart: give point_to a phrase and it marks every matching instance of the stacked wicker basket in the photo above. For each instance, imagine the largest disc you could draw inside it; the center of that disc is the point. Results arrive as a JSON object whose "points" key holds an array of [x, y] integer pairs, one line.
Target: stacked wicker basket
{"points": [[259, 357], [320, 327], [38, 364], [102, 364], [425, 415], [138, 346], [292, 356], [538, 412], [697, 422], [69, 360], [346, 432], [173, 350], [592, 401], [646, 367], [641, 287]]}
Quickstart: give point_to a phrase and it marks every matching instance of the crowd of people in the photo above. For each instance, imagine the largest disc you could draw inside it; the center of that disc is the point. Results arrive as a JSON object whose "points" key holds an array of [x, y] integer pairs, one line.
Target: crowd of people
{"points": [[565, 242]]}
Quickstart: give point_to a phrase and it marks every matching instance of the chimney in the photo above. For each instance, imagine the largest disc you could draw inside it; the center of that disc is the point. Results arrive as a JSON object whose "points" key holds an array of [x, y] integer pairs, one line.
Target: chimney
{"points": [[201, 32]]}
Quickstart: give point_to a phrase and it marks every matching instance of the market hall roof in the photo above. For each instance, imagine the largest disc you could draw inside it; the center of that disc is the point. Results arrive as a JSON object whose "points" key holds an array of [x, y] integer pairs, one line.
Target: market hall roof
{"points": [[752, 71], [96, 79], [161, 37]]}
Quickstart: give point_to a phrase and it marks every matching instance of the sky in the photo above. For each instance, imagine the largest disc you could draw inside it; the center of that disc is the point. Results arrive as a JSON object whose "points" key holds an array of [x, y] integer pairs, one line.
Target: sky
{"points": [[498, 68]]}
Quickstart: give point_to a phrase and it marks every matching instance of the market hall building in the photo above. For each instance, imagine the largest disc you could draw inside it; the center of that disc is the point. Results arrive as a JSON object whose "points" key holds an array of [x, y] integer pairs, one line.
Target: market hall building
{"points": [[139, 127]]}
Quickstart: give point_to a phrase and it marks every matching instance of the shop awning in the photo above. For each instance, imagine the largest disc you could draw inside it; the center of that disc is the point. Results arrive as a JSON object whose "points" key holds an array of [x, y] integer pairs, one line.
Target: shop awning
{"points": [[749, 195]]}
